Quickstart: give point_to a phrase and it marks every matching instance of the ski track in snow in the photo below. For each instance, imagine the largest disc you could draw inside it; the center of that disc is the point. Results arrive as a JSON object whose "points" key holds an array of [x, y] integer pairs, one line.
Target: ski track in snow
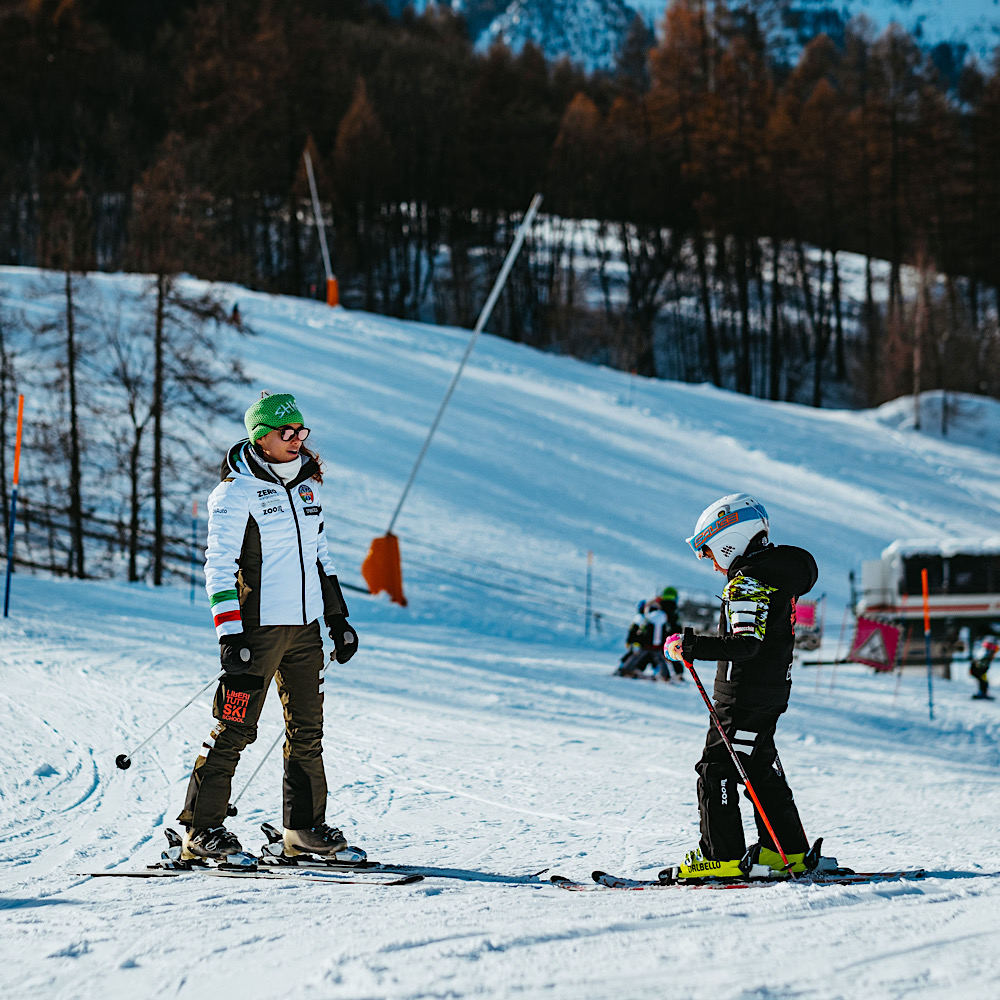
{"points": [[477, 730]]}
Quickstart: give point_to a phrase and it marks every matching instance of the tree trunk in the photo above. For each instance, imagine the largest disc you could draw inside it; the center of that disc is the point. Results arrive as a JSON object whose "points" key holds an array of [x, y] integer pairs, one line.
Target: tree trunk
{"points": [[743, 292], [776, 357], [838, 312], [920, 323], [157, 414], [295, 282], [133, 524], [75, 498], [711, 348], [5, 380]]}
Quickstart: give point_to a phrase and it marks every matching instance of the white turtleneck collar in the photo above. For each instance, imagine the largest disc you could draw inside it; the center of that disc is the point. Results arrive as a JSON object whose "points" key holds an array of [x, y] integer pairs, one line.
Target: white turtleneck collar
{"points": [[286, 471]]}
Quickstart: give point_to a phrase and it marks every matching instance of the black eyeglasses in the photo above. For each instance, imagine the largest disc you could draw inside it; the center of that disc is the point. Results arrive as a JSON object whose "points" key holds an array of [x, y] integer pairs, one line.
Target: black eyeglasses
{"points": [[288, 432]]}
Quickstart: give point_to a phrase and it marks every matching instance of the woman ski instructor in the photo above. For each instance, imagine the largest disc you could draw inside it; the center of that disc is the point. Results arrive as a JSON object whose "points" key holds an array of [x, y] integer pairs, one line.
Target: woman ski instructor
{"points": [[752, 687], [269, 579]]}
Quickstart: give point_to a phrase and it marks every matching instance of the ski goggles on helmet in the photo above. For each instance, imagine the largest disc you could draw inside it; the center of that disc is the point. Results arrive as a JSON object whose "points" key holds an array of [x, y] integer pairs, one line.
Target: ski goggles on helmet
{"points": [[700, 540], [288, 432]]}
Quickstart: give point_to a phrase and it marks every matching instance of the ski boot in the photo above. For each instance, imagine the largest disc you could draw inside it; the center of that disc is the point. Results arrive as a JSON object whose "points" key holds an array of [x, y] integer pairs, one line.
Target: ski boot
{"points": [[323, 841], [202, 845], [796, 862], [209, 842], [808, 861], [275, 851], [697, 868]]}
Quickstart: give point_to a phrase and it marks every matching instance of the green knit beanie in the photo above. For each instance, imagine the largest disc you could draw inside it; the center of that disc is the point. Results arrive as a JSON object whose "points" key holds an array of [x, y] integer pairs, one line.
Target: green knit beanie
{"points": [[272, 411]]}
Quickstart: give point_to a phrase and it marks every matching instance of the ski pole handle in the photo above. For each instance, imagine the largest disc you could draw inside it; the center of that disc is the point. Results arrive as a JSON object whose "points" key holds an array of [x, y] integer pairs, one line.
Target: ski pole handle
{"points": [[736, 760], [124, 760]]}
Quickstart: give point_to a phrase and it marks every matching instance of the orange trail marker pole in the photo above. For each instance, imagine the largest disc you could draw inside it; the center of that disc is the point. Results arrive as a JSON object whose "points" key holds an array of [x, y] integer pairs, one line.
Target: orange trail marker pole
{"points": [[13, 504]]}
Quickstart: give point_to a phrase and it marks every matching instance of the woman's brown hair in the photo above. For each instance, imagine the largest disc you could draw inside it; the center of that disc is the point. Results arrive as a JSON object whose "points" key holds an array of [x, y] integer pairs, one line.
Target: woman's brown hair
{"points": [[309, 453]]}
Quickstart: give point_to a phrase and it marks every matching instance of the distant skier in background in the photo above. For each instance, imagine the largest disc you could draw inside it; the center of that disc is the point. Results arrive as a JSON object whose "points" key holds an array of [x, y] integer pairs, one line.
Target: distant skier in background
{"points": [[644, 642], [668, 601], [269, 579], [642, 649], [754, 652], [981, 665]]}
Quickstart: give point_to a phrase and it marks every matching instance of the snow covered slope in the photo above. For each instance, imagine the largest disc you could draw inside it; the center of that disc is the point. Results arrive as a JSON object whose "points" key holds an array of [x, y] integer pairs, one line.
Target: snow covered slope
{"points": [[479, 729]]}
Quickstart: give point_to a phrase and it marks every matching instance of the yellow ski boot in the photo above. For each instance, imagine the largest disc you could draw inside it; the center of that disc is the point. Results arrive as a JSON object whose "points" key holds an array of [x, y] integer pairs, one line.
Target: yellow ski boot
{"points": [[696, 867], [796, 862]]}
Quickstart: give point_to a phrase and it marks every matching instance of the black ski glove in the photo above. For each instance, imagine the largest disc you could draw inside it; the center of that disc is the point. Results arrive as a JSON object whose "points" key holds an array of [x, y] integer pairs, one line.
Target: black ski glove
{"points": [[235, 654], [344, 637]]}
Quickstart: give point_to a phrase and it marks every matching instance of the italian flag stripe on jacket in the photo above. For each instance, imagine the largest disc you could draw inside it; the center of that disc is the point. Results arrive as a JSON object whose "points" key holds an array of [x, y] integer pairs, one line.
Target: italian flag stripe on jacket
{"points": [[225, 606]]}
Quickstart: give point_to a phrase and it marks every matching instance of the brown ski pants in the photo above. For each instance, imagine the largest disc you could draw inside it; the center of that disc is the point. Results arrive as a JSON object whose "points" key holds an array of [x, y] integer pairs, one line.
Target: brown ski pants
{"points": [[293, 656]]}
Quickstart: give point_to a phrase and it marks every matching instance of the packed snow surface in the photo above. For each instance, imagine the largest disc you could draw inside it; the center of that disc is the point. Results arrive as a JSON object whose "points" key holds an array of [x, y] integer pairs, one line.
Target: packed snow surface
{"points": [[480, 728]]}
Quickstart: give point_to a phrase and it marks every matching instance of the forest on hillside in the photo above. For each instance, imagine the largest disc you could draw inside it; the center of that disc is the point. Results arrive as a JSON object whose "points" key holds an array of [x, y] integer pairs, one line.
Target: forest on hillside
{"points": [[699, 202]]}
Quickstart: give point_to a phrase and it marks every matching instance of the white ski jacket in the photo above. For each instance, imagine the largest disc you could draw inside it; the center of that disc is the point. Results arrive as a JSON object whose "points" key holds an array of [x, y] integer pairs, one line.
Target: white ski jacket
{"points": [[267, 561]]}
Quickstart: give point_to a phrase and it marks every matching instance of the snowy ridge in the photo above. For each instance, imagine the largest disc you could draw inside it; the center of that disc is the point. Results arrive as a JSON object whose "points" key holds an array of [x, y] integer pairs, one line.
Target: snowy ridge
{"points": [[478, 729], [590, 32], [791, 23]]}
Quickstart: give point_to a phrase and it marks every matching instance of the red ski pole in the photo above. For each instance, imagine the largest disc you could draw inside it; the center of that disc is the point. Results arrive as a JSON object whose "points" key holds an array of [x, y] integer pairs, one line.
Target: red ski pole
{"points": [[736, 761]]}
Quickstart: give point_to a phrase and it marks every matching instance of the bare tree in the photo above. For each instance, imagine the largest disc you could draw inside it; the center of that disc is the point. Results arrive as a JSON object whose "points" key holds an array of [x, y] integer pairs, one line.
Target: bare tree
{"points": [[171, 234], [66, 245]]}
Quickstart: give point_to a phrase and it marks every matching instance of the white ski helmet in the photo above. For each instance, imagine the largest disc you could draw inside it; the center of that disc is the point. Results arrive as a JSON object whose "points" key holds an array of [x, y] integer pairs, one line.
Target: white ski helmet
{"points": [[730, 525]]}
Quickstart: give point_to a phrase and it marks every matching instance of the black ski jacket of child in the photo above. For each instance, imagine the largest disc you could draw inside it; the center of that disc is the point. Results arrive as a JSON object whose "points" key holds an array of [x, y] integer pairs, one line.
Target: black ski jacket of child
{"points": [[757, 627]]}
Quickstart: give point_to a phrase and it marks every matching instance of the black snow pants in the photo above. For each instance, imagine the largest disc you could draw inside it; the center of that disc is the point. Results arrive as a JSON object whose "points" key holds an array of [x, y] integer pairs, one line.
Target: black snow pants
{"points": [[751, 731]]}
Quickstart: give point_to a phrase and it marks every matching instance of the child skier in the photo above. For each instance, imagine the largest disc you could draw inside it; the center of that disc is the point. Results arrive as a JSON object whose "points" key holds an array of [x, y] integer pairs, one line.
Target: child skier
{"points": [[752, 685], [638, 643], [645, 640], [667, 602], [981, 665]]}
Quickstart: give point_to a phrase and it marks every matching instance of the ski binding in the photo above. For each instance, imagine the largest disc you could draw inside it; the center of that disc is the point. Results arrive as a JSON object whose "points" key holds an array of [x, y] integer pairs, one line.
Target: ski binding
{"points": [[273, 853]]}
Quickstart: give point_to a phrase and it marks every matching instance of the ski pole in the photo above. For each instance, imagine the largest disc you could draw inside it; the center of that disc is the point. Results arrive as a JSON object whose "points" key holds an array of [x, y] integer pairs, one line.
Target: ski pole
{"points": [[736, 760], [231, 809], [124, 760]]}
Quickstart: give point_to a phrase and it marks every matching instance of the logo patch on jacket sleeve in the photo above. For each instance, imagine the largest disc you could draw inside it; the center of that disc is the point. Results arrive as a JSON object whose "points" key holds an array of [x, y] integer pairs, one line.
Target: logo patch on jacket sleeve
{"points": [[306, 493], [312, 510]]}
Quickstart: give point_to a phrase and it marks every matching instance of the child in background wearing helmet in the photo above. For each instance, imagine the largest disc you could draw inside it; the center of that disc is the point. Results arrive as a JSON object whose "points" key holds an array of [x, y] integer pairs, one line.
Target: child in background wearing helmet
{"points": [[645, 642], [668, 604], [754, 653], [981, 665]]}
